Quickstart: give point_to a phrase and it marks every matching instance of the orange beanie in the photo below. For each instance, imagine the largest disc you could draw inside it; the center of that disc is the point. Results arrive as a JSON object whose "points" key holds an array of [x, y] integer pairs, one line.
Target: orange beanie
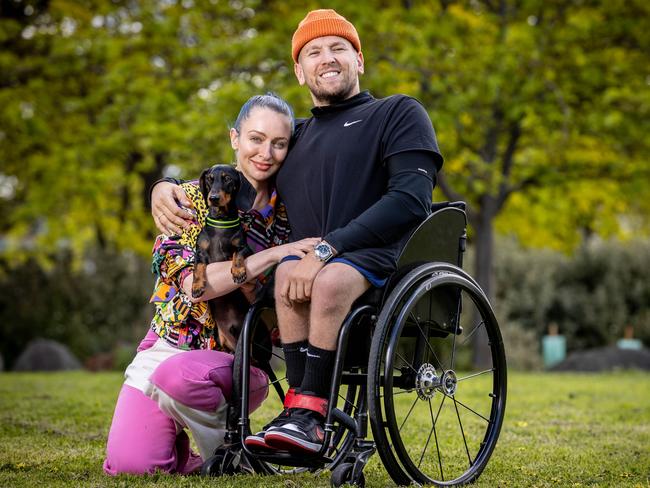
{"points": [[321, 23]]}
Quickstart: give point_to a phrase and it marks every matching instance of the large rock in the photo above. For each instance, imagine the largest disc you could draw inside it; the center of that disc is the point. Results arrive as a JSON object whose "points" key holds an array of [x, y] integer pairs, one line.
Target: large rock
{"points": [[605, 359], [46, 355]]}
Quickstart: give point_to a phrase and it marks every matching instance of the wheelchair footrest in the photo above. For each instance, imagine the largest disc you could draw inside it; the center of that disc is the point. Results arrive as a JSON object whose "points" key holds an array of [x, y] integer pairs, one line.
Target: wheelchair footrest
{"points": [[289, 459]]}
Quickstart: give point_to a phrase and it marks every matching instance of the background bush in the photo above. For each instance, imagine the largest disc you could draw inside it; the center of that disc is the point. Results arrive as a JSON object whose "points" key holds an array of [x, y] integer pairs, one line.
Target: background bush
{"points": [[101, 304], [592, 296], [92, 307]]}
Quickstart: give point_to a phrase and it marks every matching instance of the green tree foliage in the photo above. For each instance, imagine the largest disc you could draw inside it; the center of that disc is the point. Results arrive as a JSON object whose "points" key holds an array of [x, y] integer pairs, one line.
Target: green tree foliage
{"points": [[101, 98]]}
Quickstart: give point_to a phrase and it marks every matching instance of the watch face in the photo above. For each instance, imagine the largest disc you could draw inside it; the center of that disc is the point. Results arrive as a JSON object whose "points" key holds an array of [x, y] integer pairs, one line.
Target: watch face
{"points": [[322, 251]]}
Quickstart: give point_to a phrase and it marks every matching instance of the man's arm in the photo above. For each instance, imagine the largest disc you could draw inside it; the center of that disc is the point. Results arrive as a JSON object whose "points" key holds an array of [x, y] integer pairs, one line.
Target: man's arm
{"points": [[407, 201]]}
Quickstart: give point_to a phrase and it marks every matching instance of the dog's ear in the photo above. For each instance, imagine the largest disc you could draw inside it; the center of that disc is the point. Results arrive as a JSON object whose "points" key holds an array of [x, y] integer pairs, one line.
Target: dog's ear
{"points": [[203, 183]]}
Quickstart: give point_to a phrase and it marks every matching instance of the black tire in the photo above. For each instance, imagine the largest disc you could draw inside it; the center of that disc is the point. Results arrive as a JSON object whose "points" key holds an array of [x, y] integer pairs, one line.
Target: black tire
{"points": [[435, 416], [342, 476]]}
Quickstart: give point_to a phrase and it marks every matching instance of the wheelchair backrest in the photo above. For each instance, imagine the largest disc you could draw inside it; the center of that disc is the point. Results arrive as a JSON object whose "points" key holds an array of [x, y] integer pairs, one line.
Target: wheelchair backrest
{"points": [[441, 237]]}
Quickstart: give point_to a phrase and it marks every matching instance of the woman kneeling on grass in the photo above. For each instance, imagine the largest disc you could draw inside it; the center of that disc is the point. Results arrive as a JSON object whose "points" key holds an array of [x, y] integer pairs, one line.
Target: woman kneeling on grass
{"points": [[178, 380]]}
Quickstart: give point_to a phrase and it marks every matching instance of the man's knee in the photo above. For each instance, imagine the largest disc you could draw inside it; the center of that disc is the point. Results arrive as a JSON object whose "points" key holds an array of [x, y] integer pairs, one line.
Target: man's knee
{"points": [[337, 285]]}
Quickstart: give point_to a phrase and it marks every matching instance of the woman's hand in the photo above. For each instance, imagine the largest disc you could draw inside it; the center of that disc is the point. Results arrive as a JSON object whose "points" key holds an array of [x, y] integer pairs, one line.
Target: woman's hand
{"points": [[298, 248], [170, 219]]}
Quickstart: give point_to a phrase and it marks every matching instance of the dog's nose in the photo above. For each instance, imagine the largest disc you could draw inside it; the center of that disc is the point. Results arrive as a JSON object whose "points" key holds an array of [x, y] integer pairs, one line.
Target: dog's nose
{"points": [[214, 199]]}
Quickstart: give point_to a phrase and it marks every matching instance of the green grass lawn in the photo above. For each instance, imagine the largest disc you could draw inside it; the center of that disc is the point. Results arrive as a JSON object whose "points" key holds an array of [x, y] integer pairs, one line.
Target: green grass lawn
{"points": [[560, 430]]}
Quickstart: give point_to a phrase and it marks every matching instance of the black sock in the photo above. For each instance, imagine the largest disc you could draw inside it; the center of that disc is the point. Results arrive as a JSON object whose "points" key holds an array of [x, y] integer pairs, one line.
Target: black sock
{"points": [[295, 355], [319, 367]]}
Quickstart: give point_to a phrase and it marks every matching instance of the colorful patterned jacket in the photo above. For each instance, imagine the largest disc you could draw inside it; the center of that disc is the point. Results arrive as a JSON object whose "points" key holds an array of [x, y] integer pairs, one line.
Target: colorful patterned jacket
{"points": [[180, 322]]}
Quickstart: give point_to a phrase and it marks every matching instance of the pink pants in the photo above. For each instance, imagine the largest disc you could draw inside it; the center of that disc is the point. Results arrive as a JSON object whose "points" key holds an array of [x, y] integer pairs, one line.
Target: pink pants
{"points": [[143, 439]]}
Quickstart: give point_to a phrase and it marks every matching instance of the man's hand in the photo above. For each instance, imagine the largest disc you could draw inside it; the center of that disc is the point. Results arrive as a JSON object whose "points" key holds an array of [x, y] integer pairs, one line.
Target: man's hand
{"points": [[170, 219], [298, 287]]}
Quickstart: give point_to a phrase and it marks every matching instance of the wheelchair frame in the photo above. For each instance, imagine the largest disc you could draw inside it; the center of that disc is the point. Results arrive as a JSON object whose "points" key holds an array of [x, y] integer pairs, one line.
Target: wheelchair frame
{"points": [[429, 270]]}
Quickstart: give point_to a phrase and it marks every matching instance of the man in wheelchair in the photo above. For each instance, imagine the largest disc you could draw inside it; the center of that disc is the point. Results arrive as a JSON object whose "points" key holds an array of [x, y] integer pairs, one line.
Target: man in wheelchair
{"points": [[360, 174]]}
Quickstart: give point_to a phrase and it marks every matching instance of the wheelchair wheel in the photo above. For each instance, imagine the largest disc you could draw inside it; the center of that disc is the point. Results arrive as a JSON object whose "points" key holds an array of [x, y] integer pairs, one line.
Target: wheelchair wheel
{"points": [[267, 354], [435, 416]]}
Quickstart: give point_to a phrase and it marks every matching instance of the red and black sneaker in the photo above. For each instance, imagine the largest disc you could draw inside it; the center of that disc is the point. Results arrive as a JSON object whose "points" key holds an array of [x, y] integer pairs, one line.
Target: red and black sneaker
{"points": [[304, 429], [257, 441], [303, 432]]}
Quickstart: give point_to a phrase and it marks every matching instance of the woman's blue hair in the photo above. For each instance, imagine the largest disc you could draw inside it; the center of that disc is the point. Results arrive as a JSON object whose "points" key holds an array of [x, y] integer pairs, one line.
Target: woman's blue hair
{"points": [[268, 100]]}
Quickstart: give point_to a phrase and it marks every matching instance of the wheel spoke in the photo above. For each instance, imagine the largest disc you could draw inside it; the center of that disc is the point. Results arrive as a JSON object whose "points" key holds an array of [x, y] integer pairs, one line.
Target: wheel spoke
{"points": [[440, 408], [473, 332], [435, 435], [401, 392], [476, 374], [462, 431], [405, 362], [408, 414], [426, 444], [468, 408], [270, 383], [266, 349], [426, 340], [345, 400]]}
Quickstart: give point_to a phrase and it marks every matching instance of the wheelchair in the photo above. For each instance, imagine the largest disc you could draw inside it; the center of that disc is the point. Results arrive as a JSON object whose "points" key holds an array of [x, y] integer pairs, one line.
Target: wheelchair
{"points": [[405, 364]]}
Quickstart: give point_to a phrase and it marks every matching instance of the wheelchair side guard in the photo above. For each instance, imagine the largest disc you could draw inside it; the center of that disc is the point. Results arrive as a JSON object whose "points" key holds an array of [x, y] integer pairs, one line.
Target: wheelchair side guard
{"points": [[440, 238]]}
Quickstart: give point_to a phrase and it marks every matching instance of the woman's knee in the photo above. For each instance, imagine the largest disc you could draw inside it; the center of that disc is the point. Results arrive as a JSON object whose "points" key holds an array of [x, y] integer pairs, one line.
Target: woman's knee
{"points": [[141, 438], [198, 379]]}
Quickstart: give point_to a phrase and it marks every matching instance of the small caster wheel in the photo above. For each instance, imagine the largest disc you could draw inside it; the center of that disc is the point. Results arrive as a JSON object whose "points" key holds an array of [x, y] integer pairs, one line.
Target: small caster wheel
{"points": [[218, 465], [213, 466], [342, 475]]}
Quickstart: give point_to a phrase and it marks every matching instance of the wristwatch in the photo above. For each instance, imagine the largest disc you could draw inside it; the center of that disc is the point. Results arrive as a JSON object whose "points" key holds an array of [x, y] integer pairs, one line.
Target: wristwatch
{"points": [[323, 251]]}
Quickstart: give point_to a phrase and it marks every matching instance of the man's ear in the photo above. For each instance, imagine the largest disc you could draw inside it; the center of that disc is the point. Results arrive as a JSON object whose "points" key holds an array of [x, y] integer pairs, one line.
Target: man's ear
{"points": [[360, 67], [234, 139], [297, 69]]}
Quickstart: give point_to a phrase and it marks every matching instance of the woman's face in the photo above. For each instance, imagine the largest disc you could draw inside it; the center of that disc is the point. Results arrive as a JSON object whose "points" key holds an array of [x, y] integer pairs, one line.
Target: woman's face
{"points": [[261, 143]]}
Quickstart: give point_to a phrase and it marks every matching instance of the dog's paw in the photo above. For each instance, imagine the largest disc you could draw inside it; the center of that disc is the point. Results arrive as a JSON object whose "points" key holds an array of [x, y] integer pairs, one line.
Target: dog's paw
{"points": [[238, 275], [197, 290]]}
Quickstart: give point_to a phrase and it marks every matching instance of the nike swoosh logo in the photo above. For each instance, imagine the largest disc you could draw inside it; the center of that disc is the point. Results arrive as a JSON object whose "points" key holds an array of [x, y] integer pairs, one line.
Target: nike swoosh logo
{"points": [[348, 124], [303, 349], [312, 355]]}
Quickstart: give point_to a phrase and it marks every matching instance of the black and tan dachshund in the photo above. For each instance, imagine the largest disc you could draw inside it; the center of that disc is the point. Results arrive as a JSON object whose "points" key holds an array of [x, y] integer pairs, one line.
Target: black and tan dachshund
{"points": [[221, 239]]}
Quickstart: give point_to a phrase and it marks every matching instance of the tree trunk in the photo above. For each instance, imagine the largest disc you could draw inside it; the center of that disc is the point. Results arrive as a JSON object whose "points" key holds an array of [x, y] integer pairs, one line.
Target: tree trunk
{"points": [[483, 273]]}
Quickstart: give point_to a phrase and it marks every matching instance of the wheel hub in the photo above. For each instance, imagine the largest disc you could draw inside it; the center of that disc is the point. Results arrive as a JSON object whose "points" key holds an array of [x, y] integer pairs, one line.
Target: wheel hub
{"points": [[449, 382], [426, 381]]}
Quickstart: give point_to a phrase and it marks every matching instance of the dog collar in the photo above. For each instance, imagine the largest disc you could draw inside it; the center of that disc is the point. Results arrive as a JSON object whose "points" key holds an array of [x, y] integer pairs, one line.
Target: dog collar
{"points": [[222, 224]]}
